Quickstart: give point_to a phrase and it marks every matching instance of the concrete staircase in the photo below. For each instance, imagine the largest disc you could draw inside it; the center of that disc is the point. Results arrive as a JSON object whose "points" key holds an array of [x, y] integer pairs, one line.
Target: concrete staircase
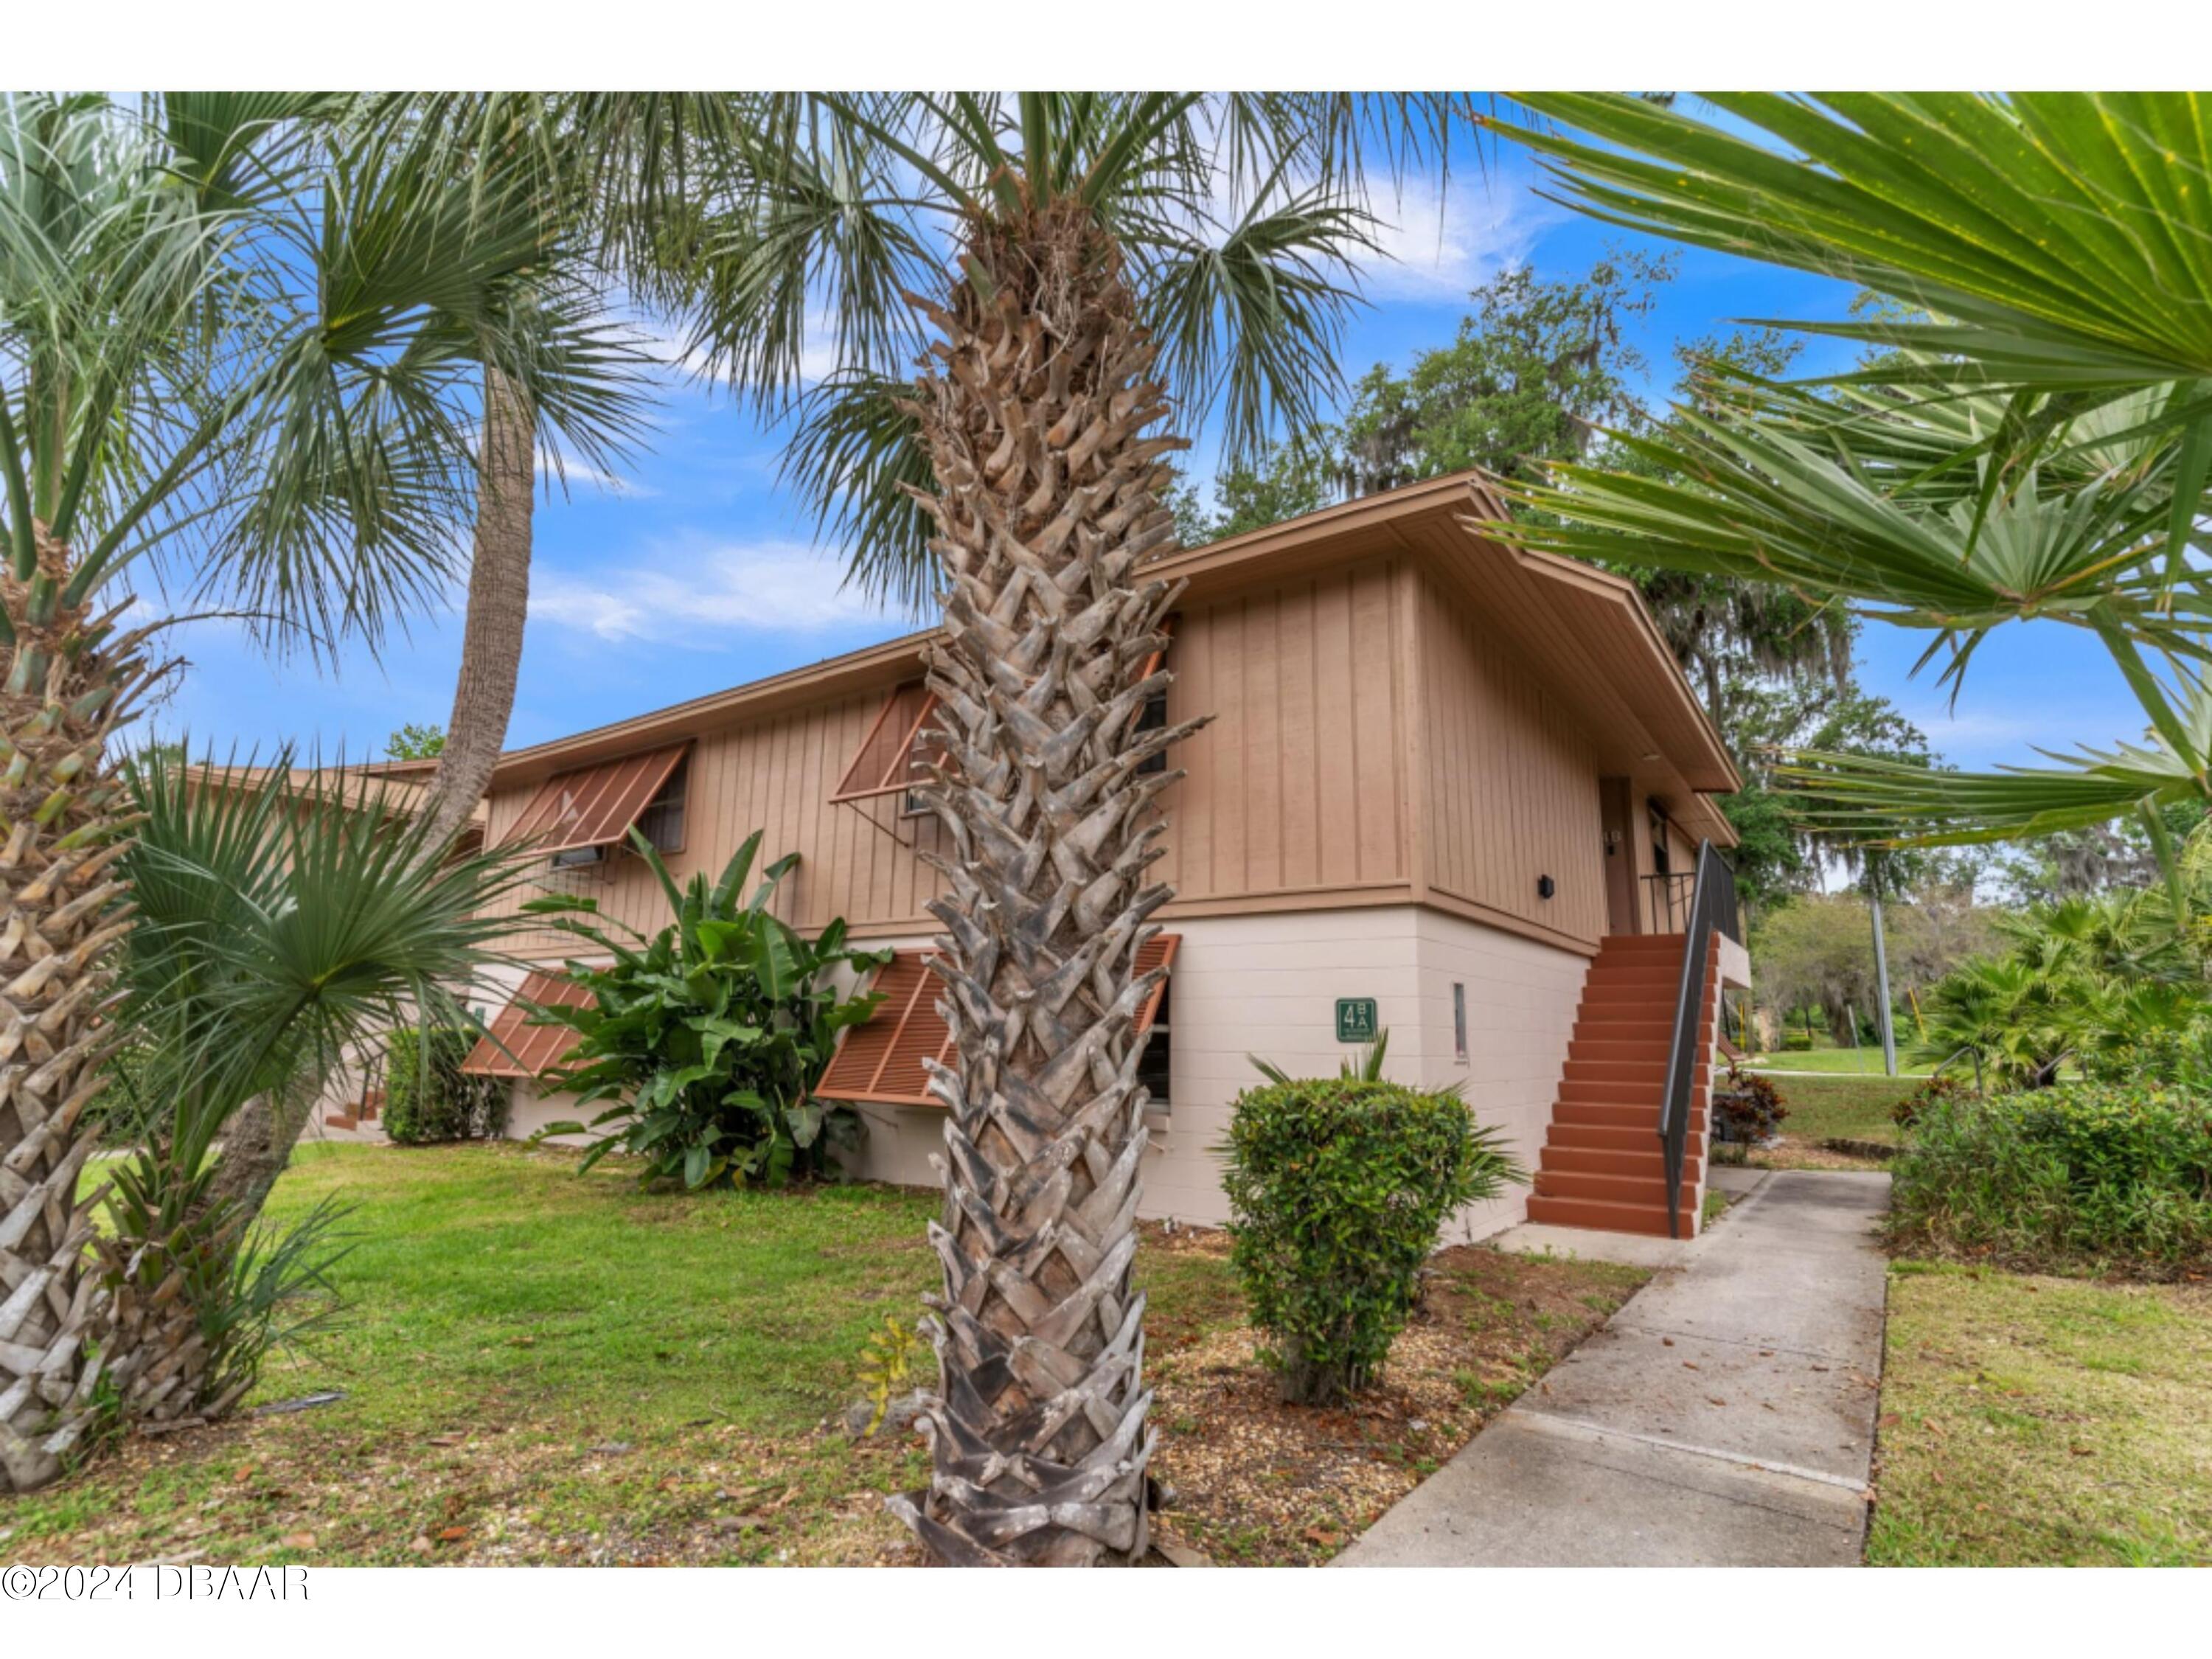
{"points": [[355, 1113], [1602, 1164]]}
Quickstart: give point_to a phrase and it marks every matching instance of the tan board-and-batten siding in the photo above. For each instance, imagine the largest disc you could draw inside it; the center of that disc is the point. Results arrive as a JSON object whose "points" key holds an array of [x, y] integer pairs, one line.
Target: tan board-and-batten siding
{"points": [[1510, 779], [1403, 712], [1299, 785], [774, 774]]}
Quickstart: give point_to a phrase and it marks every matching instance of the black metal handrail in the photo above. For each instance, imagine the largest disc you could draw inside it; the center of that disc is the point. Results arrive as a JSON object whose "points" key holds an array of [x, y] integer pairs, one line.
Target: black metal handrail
{"points": [[1667, 899], [1712, 908]]}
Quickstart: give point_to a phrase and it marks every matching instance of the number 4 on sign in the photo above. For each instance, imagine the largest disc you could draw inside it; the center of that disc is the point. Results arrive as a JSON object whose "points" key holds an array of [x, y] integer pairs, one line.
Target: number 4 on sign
{"points": [[1356, 1020]]}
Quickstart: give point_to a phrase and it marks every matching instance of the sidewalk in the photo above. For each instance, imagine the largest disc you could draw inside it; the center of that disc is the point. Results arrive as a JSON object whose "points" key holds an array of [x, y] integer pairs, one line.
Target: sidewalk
{"points": [[1723, 1418]]}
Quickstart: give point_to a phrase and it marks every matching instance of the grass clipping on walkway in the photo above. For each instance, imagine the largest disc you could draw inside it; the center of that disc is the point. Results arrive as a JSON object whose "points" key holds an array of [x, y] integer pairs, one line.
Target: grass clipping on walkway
{"points": [[2030, 1421], [545, 1369]]}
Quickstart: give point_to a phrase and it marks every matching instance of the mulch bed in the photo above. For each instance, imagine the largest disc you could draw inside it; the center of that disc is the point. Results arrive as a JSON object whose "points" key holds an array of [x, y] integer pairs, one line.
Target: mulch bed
{"points": [[1255, 1482]]}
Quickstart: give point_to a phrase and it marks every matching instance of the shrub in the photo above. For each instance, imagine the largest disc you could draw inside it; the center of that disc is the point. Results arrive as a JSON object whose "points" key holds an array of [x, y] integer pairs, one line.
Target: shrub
{"points": [[709, 1040], [1338, 1186], [1748, 1108], [429, 1098], [2080, 1175], [2175, 1055], [1797, 1042], [1934, 1092]]}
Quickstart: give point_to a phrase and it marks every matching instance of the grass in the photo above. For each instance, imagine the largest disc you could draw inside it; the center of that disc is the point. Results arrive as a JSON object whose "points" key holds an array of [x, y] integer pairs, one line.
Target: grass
{"points": [[1846, 1108], [537, 1366], [545, 1369], [2038, 1421], [1844, 1062]]}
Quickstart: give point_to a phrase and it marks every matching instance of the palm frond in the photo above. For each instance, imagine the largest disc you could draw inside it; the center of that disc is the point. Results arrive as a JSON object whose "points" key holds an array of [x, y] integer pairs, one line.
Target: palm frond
{"points": [[1251, 323], [1242, 220], [1866, 799], [1831, 516], [285, 915], [2060, 239], [856, 460], [244, 334]]}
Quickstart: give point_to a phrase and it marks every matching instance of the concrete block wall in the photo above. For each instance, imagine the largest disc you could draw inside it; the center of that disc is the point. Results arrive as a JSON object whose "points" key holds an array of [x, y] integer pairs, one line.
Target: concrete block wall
{"points": [[1267, 985]]}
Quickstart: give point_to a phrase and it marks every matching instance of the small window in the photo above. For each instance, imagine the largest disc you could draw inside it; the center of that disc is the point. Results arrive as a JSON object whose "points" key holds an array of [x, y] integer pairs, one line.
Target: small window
{"points": [[1155, 1066], [662, 821], [1459, 1021], [1153, 719]]}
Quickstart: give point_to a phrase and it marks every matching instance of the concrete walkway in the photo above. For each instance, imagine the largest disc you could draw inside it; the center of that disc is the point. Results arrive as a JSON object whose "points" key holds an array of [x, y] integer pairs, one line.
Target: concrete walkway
{"points": [[1724, 1417]]}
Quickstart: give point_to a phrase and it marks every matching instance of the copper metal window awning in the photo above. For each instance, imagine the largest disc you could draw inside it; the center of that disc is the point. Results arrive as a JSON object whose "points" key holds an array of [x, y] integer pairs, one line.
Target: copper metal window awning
{"points": [[594, 806], [516, 1049], [893, 756], [889, 758], [880, 1060]]}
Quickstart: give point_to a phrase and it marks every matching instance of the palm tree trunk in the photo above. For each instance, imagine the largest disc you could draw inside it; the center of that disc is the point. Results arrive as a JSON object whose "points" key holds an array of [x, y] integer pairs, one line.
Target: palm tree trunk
{"points": [[499, 604], [1048, 508], [257, 1145], [260, 1142], [67, 679]]}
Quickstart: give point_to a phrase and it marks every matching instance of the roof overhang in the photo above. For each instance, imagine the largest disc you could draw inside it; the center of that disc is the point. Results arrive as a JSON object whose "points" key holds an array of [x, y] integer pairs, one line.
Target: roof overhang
{"points": [[368, 787], [1585, 634]]}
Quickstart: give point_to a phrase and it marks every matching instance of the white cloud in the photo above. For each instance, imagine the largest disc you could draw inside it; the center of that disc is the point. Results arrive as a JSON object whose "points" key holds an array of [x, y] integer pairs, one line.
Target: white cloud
{"points": [[1435, 239], [1438, 242], [691, 598], [817, 359], [562, 470]]}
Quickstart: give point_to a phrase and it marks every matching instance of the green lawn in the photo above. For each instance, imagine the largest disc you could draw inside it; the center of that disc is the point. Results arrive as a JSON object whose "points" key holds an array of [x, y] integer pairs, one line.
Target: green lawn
{"points": [[539, 1367], [1849, 1062], [1849, 1108], [544, 1368], [2034, 1421]]}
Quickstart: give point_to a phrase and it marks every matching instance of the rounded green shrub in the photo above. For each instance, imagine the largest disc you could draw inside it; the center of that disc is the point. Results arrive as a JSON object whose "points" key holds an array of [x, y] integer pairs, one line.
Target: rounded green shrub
{"points": [[2083, 1174], [426, 1096], [1338, 1186]]}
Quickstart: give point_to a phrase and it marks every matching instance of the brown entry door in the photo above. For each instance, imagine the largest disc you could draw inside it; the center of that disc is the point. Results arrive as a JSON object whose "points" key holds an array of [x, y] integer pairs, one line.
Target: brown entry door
{"points": [[1620, 856]]}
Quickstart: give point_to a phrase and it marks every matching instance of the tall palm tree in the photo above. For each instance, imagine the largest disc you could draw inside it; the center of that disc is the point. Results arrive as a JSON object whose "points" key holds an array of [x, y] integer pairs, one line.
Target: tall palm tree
{"points": [[605, 175], [616, 172], [229, 357], [1077, 271], [2033, 442]]}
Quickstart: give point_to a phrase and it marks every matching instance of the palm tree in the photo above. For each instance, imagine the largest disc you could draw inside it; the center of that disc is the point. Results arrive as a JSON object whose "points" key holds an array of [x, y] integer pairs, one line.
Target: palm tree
{"points": [[614, 171], [284, 919], [603, 174], [230, 355], [2033, 442], [2083, 980], [1076, 270]]}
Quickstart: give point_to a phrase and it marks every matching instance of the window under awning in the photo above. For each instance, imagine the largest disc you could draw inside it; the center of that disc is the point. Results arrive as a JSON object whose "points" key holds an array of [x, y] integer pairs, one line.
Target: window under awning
{"points": [[514, 1048], [881, 1060], [894, 754], [594, 806], [897, 754]]}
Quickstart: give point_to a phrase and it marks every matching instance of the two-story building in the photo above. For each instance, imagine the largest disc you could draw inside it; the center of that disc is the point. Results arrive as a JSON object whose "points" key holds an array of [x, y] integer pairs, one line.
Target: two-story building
{"points": [[1443, 777]]}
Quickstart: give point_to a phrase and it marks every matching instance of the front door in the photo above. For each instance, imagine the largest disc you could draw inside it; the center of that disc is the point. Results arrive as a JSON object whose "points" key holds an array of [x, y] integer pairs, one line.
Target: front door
{"points": [[1612, 795]]}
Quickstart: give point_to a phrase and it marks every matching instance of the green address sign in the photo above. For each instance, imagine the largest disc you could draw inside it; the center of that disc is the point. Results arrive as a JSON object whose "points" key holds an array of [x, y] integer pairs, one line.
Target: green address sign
{"points": [[1356, 1020]]}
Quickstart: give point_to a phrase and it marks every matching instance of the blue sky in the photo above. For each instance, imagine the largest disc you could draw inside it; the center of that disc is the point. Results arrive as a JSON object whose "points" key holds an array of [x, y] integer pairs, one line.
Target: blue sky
{"points": [[692, 572]]}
